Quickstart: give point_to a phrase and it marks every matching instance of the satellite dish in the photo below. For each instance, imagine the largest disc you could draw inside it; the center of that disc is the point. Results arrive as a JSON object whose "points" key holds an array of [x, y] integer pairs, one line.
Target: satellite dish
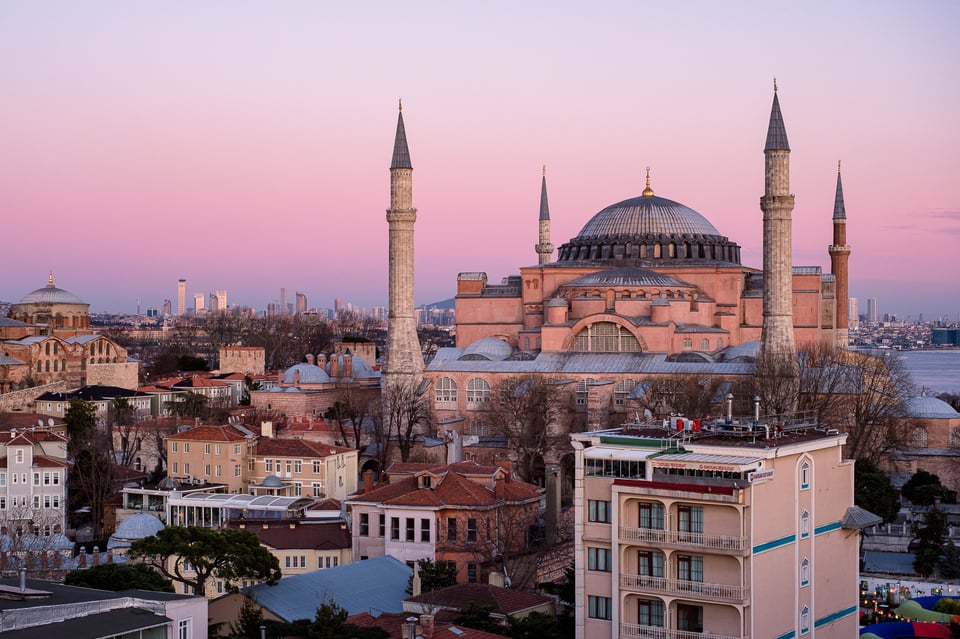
{"points": [[50, 422], [40, 422]]}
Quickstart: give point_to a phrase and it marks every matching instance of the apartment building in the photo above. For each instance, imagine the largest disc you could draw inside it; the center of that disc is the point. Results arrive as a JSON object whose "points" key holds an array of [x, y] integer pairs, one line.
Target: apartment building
{"points": [[740, 530], [33, 484], [463, 513], [210, 454], [302, 468]]}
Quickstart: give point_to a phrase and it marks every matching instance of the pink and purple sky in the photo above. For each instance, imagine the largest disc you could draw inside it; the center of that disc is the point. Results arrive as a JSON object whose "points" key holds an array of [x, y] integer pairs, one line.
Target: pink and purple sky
{"points": [[245, 145]]}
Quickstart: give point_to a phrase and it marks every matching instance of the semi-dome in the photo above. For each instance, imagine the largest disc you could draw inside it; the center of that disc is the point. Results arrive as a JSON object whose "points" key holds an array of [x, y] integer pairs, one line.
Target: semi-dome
{"points": [[134, 527], [488, 348], [625, 276], [649, 230], [272, 481], [50, 294], [925, 407]]}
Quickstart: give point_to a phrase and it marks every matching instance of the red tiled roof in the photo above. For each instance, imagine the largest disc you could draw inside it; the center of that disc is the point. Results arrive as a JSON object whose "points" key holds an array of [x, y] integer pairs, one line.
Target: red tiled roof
{"points": [[297, 448], [396, 623], [284, 535], [40, 461], [209, 434], [506, 601], [26, 420]]}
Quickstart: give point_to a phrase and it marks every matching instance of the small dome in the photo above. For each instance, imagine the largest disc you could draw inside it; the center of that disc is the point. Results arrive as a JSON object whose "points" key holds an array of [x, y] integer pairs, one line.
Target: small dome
{"points": [[488, 348], [556, 302], [626, 276], [309, 374], [743, 353], [925, 407], [272, 482], [50, 294], [168, 483], [138, 526]]}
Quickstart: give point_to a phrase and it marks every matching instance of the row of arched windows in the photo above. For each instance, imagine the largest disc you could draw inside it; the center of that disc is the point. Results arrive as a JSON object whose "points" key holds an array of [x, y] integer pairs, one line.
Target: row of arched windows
{"points": [[478, 391], [58, 365]]}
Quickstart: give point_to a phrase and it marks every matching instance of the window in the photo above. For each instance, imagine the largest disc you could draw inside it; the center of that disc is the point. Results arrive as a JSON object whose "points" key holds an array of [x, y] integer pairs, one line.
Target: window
{"points": [[804, 476], [804, 525], [804, 620], [382, 527], [318, 490], [599, 607], [425, 531], [216, 449], [704, 344], [56, 478], [20, 457], [186, 468], [206, 449], [451, 528], [651, 515], [690, 520], [268, 465], [217, 470], [236, 449], [174, 468], [598, 511], [184, 629], [478, 391], [395, 528], [206, 470], [288, 466], [316, 467], [236, 470], [298, 466], [583, 390], [411, 523], [297, 488], [445, 391], [471, 530], [919, 438], [3, 502], [287, 563], [471, 572], [46, 501], [690, 567], [56, 501], [650, 563], [173, 446], [605, 337], [650, 612], [688, 344], [3, 479], [36, 479], [624, 387], [186, 447], [689, 618], [804, 572], [36, 501], [598, 559], [46, 479]]}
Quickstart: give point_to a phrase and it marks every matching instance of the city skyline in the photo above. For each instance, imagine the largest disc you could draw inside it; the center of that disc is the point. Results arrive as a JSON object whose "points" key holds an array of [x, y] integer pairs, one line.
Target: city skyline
{"points": [[245, 148]]}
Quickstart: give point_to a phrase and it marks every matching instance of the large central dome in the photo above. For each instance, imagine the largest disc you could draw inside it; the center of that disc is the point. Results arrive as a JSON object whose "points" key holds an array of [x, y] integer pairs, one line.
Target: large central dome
{"points": [[647, 214], [648, 231]]}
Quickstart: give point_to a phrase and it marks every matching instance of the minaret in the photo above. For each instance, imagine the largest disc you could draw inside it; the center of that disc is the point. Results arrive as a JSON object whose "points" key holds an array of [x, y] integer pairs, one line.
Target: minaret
{"points": [[777, 349], [839, 255], [544, 248], [404, 360]]}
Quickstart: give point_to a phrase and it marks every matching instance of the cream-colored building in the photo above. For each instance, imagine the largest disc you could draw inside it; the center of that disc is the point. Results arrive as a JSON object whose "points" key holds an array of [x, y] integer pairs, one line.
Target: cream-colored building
{"points": [[210, 454], [301, 467], [734, 531]]}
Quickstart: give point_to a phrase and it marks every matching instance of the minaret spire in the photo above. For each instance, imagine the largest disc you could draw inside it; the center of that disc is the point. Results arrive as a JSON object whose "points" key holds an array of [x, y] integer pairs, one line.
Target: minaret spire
{"points": [[777, 366], [839, 256], [403, 366], [544, 248]]}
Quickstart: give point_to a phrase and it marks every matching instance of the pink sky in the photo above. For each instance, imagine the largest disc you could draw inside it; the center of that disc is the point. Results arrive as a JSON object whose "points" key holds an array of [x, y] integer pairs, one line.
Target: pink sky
{"points": [[245, 145]]}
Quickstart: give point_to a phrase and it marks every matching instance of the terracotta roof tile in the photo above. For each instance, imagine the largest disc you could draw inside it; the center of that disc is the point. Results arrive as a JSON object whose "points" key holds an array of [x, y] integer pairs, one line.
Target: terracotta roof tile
{"points": [[506, 601], [209, 434], [285, 535]]}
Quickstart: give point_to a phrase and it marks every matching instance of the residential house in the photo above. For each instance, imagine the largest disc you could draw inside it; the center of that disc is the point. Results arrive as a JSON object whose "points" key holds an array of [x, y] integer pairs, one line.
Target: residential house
{"points": [[210, 454], [33, 483], [304, 467]]}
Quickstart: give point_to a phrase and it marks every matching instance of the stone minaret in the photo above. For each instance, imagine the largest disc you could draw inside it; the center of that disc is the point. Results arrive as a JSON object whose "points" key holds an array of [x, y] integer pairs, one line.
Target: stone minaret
{"points": [[777, 349], [839, 254], [404, 360], [544, 248]]}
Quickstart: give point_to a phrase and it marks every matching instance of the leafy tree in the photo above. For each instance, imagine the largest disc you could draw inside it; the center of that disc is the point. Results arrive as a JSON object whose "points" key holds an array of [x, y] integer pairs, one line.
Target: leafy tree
{"points": [[923, 488], [190, 405], [873, 490], [539, 625], [119, 577], [229, 554], [930, 537], [192, 363], [249, 620], [91, 449], [249, 384], [331, 623], [948, 606], [949, 567], [434, 575], [478, 617]]}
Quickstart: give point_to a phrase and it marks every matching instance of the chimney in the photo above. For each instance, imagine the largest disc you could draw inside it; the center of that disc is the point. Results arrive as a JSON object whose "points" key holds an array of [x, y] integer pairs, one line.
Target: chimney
{"points": [[266, 429], [507, 466], [498, 487], [310, 359], [296, 378], [82, 557], [196, 422], [496, 579], [22, 573], [348, 365], [322, 360], [96, 556], [367, 481], [426, 626], [334, 366]]}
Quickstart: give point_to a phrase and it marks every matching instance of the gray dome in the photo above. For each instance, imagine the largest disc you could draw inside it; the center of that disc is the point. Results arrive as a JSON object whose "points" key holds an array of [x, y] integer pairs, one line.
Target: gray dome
{"points": [[745, 352], [647, 214], [649, 231], [168, 483], [138, 526], [925, 407], [309, 374], [50, 294], [625, 276], [489, 348], [272, 482]]}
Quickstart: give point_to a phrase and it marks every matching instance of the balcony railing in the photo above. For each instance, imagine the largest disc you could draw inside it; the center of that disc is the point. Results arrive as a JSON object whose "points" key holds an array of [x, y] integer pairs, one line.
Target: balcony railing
{"points": [[702, 590], [678, 538], [632, 630]]}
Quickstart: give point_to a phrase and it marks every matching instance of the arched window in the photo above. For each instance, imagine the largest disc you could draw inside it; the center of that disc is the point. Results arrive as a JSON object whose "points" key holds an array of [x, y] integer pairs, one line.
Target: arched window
{"points": [[805, 620], [446, 391], [704, 344], [478, 427], [955, 436], [47, 348], [55, 348], [47, 366], [804, 475], [63, 364], [804, 525], [624, 386], [719, 343], [605, 337], [919, 438], [804, 572], [39, 367], [56, 365], [478, 391], [583, 389], [687, 344]]}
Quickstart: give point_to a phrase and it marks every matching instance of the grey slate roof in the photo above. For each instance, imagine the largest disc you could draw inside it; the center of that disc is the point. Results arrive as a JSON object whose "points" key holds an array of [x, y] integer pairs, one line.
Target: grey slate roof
{"points": [[370, 585], [105, 624], [6, 360], [6, 322], [776, 132], [401, 154], [888, 563], [625, 276]]}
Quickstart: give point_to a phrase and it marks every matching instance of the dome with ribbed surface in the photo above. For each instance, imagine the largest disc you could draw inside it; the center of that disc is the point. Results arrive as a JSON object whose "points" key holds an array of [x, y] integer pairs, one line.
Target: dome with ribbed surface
{"points": [[648, 231], [50, 294], [304, 373], [624, 276], [134, 527], [926, 407]]}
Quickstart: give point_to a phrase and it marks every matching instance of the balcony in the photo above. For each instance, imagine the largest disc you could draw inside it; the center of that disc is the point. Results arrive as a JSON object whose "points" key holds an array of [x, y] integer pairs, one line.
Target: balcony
{"points": [[631, 630], [676, 539], [720, 593]]}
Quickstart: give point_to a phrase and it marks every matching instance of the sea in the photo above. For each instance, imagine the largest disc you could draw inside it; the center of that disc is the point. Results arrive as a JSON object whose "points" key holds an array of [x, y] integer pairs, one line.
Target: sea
{"points": [[936, 371]]}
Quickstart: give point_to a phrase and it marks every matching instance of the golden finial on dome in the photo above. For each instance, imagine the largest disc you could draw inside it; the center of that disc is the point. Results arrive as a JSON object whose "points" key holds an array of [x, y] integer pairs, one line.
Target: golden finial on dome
{"points": [[401, 104], [50, 280], [838, 166], [648, 192], [774, 85], [544, 170]]}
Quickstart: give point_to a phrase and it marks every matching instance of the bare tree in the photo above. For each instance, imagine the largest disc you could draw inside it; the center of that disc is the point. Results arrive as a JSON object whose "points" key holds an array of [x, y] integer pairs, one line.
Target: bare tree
{"points": [[406, 412], [777, 384], [94, 470], [124, 431], [351, 408], [691, 395], [529, 412]]}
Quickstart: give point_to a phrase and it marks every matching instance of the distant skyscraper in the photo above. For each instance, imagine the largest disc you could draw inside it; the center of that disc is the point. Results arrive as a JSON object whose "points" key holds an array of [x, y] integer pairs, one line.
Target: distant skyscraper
{"points": [[854, 313], [167, 307], [301, 303], [337, 305], [283, 300], [198, 304], [181, 297], [218, 302], [872, 310], [138, 304]]}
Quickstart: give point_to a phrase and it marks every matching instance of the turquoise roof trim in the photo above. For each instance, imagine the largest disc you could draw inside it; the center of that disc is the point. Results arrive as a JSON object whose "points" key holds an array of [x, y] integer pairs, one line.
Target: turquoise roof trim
{"points": [[776, 543]]}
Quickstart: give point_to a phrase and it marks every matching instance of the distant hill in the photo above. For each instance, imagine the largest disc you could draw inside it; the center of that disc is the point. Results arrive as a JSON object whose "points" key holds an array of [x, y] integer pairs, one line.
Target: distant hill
{"points": [[448, 303]]}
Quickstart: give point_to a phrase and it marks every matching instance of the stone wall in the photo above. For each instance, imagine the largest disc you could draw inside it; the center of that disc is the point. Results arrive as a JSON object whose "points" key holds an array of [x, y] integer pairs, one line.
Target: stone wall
{"points": [[122, 375], [22, 400], [243, 359]]}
